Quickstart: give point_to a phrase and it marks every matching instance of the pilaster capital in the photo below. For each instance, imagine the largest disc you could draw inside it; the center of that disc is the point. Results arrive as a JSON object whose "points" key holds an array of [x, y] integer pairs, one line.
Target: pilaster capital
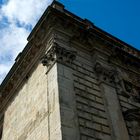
{"points": [[58, 54], [104, 73]]}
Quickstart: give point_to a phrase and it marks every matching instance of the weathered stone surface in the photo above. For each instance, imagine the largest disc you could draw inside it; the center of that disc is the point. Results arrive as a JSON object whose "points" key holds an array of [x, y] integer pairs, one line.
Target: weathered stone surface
{"points": [[34, 112], [83, 91]]}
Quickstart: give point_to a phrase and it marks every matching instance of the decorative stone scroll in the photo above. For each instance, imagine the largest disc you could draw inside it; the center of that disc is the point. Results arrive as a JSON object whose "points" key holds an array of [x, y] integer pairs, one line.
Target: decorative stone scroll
{"points": [[105, 74], [59, 54], [133, 116]]}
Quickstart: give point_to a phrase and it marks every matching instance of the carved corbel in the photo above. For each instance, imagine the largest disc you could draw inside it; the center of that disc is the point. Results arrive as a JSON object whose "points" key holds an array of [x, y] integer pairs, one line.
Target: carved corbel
{"points": [[133, 116], [105, 74], [58, 54], [129, 90]]}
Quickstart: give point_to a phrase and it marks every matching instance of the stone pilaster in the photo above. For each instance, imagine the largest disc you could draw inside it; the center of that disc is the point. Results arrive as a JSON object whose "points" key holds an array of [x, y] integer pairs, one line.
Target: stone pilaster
{"points": [[63, 59], [107, 78]]}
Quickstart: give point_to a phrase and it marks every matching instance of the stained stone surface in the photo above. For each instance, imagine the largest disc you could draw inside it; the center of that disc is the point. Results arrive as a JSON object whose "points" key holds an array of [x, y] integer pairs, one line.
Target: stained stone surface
{"points": [[74, 83]]}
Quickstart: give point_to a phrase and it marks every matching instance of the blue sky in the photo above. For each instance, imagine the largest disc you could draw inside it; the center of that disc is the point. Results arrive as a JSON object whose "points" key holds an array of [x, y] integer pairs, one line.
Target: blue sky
{"points": [[120, 18]]}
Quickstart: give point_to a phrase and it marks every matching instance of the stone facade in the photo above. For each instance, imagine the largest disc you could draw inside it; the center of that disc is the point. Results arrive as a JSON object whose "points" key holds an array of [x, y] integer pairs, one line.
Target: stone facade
{"points": [[72, 81]]}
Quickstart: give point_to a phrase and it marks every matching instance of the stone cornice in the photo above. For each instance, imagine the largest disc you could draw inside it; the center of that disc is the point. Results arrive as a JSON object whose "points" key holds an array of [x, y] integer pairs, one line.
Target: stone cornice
{"points": [[23, 64], [83, 30], [14, 80], [87, 34]]}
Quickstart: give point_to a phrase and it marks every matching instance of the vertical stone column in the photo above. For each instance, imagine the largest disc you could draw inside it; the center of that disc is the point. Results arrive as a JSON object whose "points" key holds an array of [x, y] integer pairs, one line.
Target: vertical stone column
{"points": [[54, 120], [106, 77], [62, 58], [69, 120]]}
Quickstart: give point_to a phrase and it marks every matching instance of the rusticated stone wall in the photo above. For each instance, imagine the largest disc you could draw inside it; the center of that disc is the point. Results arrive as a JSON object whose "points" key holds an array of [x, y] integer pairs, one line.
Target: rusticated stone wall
{"points": [[85, 85], [75, 94], [129, 98], [92, 115], [82, 107]]}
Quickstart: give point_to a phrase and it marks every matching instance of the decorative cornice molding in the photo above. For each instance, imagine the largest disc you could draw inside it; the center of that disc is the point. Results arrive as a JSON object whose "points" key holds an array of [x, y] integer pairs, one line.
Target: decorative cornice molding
{"points": [[18, 74], [84, 35], [58, 54], [22, 66], [124, 57]]}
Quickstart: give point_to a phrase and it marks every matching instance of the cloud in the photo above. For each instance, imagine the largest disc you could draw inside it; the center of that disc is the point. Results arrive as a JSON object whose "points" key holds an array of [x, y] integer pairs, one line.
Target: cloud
{"points": [[16, 21], [3, 70], [12, 41], [24, 11]]}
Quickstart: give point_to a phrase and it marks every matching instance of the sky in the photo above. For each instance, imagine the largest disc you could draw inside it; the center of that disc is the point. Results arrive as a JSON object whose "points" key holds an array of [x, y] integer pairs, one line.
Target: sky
{"points": [[121, 18]]}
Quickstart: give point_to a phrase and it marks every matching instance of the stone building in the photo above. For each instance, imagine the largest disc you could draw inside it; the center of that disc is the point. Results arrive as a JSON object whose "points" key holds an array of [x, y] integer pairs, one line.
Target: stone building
{"points": [[73, 81]]}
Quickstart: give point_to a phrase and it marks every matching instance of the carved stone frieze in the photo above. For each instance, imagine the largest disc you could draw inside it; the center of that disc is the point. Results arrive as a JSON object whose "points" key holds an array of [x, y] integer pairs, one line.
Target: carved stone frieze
{"points": [[83, 37], [105, 74], [133, 116], [59, 54]]}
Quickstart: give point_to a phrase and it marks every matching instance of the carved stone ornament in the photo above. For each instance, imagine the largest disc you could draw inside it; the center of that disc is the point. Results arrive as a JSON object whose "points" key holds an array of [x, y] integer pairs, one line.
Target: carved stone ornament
{"points": [[129, 90], [59, 54], [105, 74], [133, 116]]}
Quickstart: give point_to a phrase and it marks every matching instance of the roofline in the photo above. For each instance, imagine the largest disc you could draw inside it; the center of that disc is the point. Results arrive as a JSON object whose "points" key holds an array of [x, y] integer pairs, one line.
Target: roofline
{"points": [[81, 20], [15, 65], [77, 19], [101, 30]]}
